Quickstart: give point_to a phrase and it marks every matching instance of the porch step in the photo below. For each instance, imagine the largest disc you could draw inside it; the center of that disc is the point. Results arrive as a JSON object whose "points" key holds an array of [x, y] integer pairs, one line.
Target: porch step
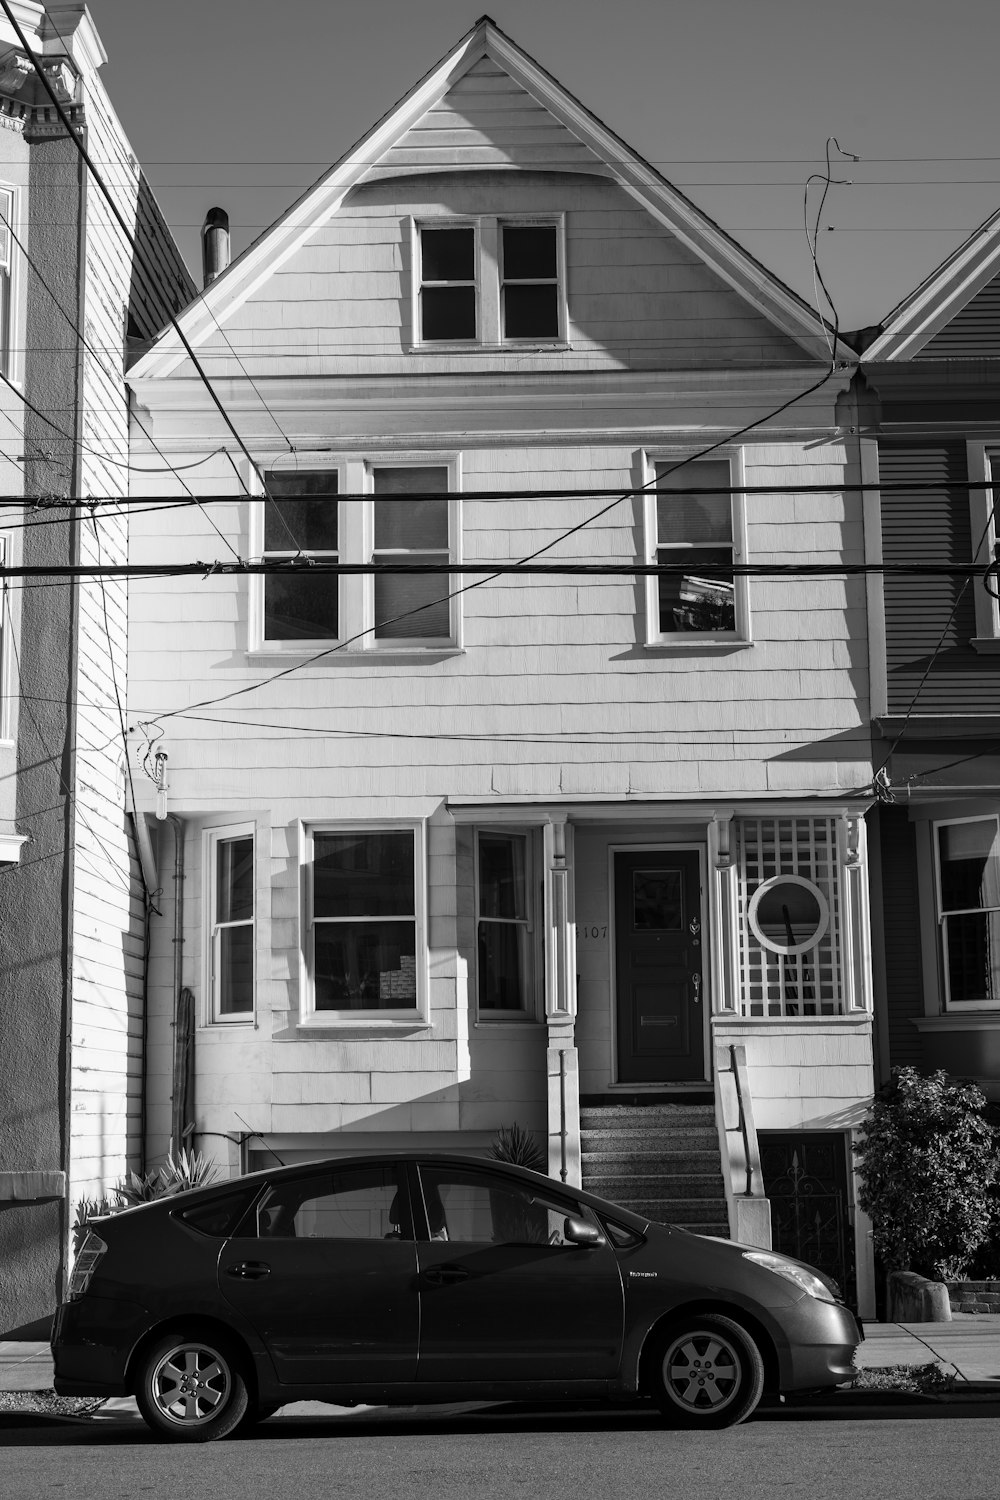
{"points": [[661, 1161]]}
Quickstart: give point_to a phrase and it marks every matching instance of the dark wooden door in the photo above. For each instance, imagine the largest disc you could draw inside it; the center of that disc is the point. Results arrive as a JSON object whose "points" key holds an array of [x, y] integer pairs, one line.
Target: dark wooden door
{"points": [[658, 967]]}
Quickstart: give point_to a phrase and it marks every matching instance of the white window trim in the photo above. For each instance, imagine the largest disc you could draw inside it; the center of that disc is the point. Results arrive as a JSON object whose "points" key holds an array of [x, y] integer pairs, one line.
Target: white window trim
{"points": [[8, 683], [450, 582], [983, 526], [382, 1019], [696, 640], [355, 544], [535, 925], [488, 281], [957, 1007], [210, 840], [258, 508], [10, 339]]}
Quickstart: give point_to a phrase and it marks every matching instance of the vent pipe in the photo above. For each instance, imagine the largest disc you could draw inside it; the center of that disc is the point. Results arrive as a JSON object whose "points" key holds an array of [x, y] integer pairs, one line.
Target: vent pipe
{"points": [[215, 243]]}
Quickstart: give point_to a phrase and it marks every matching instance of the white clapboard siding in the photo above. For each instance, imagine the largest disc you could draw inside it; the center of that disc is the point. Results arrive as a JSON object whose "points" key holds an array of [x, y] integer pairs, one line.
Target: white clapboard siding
{"points": [[486, 119]]}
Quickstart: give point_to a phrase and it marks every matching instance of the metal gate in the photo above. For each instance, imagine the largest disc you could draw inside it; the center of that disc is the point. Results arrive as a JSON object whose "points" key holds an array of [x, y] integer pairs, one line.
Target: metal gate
{"points": [[805, 1178]]}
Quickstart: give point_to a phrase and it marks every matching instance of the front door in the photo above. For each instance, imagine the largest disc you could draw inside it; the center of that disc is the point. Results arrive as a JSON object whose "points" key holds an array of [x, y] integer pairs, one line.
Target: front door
{"points": [[658, 967]]}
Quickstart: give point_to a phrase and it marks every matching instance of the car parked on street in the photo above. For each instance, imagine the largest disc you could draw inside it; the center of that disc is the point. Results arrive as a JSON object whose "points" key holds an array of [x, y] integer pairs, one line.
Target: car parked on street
{"points": [[420, 1278]]}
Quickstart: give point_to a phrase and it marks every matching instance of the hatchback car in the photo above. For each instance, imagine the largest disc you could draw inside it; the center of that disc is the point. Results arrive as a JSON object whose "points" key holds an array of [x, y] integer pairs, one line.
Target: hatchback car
{"points": [[422, 1278]]}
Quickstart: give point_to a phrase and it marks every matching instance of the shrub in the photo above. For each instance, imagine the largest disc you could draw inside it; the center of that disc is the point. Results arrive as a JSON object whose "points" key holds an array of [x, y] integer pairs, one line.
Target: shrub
{"points": [[928, 1162], [188, 1169], [517, 1146]]}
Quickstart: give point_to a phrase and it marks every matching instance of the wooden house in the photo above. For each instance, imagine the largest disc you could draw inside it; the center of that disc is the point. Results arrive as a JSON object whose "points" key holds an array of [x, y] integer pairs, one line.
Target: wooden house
{"points": [[72, 907], [552, 840], [931, 421]]}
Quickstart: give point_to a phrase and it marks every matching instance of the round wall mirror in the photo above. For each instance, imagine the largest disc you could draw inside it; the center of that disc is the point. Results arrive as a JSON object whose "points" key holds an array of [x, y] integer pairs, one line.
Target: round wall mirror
{"points": [[788, 914]]}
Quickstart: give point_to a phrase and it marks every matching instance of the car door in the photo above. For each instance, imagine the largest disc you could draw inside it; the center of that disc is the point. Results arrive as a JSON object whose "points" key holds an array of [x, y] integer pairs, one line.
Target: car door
{"points": [[504, 1295], [327, 1276]]}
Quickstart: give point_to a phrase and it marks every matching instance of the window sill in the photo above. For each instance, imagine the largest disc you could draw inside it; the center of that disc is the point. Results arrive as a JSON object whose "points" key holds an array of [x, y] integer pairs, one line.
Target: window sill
{"points": [[267, 656], [691, 643], [509, 346], [970, 1020], [507, 1023], [986, 645], [362, 1028]]}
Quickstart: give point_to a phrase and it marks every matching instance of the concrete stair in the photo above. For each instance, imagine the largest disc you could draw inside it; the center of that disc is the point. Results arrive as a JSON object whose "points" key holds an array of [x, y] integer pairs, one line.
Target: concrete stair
{"points": [[659, 1160]]}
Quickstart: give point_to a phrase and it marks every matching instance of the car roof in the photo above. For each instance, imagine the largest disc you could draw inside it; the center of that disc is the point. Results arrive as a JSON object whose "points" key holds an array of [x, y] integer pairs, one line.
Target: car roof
{"points": [[438, 1158]]}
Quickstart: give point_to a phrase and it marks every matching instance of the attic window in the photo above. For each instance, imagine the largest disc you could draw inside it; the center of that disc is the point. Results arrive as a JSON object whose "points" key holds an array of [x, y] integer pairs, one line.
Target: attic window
{"points": [[448, 283], [489, 282], [529, 281]]}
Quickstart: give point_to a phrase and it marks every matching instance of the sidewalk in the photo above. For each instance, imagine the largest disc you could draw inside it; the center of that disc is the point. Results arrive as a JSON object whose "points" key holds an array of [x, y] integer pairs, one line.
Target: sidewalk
{"points": [[968, 1347]]}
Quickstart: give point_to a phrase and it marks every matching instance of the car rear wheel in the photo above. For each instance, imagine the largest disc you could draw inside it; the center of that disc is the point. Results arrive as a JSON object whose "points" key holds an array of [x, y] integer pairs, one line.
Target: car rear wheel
{"points": [[191, 1389], [707, 1372]]}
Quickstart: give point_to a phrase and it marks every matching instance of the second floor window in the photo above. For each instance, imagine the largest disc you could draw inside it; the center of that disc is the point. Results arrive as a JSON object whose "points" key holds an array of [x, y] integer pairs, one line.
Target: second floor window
{"points": [[301, 517], [489, 281], [411, 525], [698, 532]]}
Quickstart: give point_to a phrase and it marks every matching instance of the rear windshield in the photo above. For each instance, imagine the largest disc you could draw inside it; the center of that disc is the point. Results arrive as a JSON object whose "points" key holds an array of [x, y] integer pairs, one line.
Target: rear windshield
{"points": [[219, 1216]]}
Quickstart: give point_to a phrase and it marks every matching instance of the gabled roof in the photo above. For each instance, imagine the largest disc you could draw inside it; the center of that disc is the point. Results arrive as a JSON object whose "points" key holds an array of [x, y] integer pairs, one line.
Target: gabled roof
{"points": [[593, 148], [946, 297]]}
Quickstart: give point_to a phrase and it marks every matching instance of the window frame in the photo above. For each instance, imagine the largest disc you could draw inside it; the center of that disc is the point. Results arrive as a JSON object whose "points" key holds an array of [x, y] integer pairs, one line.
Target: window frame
{"points": [[949, 1006], [384, 1017], [355, 544], [696, 640], [450, 582], [7, 682], [530, 1011], [301, 645], [211, 840], [489, 283], [981, 456], [9, 364]]}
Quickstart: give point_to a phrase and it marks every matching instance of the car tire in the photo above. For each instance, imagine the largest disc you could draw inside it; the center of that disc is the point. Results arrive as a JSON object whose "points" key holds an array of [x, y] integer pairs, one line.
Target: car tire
{"points": [[191, 1388], [706, 1371]]}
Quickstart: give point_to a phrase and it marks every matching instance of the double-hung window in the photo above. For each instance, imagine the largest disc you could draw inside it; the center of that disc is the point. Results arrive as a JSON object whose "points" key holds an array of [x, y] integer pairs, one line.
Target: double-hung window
{"points": [[6, 279], [396, 520], [364, 924], [695, 529], [300, 522], [412, 521], [506, 929], [984, 496], [230, 863], [967, 858], [490, 281]]}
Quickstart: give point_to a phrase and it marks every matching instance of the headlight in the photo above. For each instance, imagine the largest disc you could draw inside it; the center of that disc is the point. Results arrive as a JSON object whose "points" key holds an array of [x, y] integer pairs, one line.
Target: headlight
{"points": [[806, 1281], [91, 1252]]}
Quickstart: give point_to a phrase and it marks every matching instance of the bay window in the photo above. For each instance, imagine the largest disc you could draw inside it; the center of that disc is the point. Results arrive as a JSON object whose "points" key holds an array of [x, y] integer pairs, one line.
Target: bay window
{"points": [[230, 863], [505, 926]]}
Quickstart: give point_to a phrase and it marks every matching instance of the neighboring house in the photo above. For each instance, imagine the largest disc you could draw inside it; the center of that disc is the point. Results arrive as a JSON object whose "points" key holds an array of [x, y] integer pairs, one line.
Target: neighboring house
{"points": [[559, 849], [932, 422], [71, 902]]}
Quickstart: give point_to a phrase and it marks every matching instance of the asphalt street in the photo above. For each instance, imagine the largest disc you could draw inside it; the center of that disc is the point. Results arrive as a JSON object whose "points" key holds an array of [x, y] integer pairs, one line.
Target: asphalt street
{"points": [[904, 1452]]}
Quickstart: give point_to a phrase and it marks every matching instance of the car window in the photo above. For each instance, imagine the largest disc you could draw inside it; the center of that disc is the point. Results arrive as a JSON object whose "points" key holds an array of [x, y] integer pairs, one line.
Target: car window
{"points": [[480, 1208], [219, 1216], [360, 1203]]}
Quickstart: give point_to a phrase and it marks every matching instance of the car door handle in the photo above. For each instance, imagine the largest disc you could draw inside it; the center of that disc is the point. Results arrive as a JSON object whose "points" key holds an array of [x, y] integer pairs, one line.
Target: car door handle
{"points": [[445, 1275], [249, 1270]]}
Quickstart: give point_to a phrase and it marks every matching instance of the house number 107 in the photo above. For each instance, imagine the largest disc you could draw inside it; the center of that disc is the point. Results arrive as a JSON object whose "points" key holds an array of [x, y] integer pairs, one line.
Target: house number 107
{"points": [[594, 932]]}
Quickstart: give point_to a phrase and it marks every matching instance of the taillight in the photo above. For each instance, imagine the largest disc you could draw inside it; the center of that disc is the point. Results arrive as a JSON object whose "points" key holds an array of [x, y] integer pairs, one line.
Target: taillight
{"points": [[89, 1258]]}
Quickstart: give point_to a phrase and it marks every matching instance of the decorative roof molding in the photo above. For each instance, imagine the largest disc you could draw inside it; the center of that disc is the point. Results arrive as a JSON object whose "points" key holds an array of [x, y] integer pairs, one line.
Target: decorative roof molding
{"points": [[930, 308], [721, 254]]}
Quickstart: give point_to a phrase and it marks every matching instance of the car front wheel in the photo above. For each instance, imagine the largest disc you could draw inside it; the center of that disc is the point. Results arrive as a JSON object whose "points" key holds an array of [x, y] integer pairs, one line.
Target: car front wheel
{"points": [[707, 1372], [191, 1389]]}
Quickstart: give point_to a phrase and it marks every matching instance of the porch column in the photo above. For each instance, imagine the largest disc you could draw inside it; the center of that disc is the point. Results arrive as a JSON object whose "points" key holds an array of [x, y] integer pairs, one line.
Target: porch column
{"points": [[560, 1003], [855, 920], [723, 897]]}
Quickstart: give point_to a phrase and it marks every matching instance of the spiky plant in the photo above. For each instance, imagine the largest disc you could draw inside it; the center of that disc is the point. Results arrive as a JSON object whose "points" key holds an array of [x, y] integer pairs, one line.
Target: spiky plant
{"points": [[517, 1146]]}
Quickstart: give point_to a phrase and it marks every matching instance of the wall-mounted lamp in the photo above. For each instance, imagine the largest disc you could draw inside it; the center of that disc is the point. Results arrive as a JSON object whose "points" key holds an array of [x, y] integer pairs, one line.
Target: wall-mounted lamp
{"points": [[160, 761]]}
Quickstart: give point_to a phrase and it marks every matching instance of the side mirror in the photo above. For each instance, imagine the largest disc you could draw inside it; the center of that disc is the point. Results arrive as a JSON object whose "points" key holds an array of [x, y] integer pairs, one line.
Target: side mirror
{"points": [[578, 1232]]}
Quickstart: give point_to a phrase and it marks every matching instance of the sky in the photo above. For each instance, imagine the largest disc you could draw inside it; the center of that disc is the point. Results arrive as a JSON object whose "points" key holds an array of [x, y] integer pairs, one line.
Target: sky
{"points": [[243, 104]]}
